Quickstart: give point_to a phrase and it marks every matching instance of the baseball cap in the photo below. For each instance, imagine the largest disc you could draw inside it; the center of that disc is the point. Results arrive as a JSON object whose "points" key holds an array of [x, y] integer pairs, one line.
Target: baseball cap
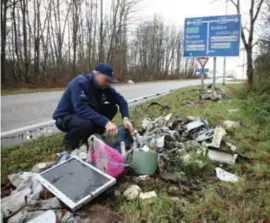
{"points": [[107, 70]]}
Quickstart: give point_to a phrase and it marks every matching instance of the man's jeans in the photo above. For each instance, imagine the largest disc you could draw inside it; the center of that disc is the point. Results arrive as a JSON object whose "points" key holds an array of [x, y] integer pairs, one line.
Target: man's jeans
{"points": [[79, 129]]}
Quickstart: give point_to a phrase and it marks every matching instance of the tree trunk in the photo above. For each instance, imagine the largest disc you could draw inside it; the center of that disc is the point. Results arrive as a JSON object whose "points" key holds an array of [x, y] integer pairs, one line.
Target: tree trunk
{"points": [[3, 40], [249, 66], [25, 45]]}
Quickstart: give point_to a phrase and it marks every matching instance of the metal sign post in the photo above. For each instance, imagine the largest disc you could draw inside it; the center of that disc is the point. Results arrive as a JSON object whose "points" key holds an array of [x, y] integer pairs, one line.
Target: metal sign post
{"points": [[214, 72], [202, 61]]}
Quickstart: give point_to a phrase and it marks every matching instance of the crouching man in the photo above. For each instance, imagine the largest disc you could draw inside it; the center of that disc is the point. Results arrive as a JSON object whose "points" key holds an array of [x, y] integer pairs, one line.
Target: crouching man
{"points": [[88, 105]]}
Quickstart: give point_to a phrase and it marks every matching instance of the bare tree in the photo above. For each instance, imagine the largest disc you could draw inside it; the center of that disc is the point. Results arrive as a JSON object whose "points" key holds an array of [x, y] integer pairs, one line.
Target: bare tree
{"points": [[254, 10]]}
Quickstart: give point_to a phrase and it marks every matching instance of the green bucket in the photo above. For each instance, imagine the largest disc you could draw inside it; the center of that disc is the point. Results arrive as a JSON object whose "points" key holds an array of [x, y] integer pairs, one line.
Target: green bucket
{"points": [[144, 163]]}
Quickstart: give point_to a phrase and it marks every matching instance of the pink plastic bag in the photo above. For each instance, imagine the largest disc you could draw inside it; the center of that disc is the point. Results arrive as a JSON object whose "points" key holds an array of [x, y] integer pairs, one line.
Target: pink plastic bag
{"points": [[105, 158]]}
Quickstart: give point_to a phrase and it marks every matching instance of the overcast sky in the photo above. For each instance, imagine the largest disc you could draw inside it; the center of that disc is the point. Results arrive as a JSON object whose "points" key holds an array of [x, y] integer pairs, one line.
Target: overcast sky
{"points": [[175, 11]]}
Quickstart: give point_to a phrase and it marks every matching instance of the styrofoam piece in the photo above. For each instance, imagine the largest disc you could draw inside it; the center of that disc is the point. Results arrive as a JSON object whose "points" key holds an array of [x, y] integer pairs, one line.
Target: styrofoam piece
{"points": [[148, 195], [222, 157], [217, 138], [47, 217], [226, 176]]}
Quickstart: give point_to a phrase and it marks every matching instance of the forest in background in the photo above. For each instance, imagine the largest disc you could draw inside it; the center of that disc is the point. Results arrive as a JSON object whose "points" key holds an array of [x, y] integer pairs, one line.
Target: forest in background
{"points": [[49, 42]]}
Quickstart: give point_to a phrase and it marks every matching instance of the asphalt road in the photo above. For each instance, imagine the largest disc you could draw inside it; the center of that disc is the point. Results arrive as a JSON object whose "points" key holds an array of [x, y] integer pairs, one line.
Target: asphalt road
{"points": [[27, 109]]}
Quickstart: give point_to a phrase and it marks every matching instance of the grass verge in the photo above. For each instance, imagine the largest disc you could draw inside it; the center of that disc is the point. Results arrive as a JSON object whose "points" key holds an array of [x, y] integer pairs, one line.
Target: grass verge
{"points": [[28, 90], [245, 201]]}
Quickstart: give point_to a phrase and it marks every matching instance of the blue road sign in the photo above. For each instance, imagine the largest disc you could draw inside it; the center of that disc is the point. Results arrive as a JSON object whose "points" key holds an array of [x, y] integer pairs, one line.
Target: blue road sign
{"points": [[212, 36], [199, 70]]}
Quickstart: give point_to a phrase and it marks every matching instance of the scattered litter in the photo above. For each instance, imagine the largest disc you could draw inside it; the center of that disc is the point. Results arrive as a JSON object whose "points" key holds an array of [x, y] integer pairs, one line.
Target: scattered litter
{"points": [[27, 189], [194, 125], [222, 157], [232, 147], [39, 167], [231, 124], [205, 135], [147, 195], [142, 178], [145, 148], [226, 176], [81, 153], [233, 110], [24, 216], [68, 218], [63, 156], [146, 122], [132, 192], [217, 138], [47, 217], [52, 203], [168, 117], [123, 148], [160, 142]]}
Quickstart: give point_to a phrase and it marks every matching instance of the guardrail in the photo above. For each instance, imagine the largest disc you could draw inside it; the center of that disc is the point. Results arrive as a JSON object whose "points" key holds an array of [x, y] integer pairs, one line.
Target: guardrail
{"points": [[45, 128]]}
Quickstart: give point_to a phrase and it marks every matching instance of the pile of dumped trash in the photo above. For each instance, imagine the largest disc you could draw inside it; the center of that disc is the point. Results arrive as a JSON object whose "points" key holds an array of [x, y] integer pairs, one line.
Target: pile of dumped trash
{"points": [[167, 144], [216, 94], [175, 138]]}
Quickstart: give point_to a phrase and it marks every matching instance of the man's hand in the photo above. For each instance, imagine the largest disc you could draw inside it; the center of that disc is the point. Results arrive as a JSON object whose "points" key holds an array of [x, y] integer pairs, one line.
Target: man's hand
{"points": [[128, 125], [111, 129]]}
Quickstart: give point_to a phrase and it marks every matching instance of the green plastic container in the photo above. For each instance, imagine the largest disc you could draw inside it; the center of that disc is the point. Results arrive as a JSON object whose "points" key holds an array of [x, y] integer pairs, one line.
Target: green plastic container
{"points": [[144, 163]]}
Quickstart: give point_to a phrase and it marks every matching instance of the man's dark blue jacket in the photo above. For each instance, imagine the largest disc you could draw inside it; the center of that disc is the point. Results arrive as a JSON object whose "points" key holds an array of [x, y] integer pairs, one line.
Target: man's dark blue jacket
{"points": [[84, 98]]}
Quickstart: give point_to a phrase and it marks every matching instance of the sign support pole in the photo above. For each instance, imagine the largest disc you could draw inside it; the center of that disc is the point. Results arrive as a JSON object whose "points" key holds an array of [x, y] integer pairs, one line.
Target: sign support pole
{"points": [[202, 78], [214, 72], [224, 60]]}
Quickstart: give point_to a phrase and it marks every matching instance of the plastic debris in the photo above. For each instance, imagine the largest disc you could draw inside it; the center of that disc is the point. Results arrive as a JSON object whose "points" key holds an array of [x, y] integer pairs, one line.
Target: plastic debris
{"points": [[205, 135], [39, 167], [132, 192], [68, 218], [27, 189], [142, 178], [63, 156], [222, 157], [194, 125], [24, 216], [145, 148], [47, 217], [233, 110], [232, 147], [146, 123], [217, 138], [147, 195], [231, 124], [123, 148], [216, 94], [226, 176], [160, 142], [52, 203]]}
